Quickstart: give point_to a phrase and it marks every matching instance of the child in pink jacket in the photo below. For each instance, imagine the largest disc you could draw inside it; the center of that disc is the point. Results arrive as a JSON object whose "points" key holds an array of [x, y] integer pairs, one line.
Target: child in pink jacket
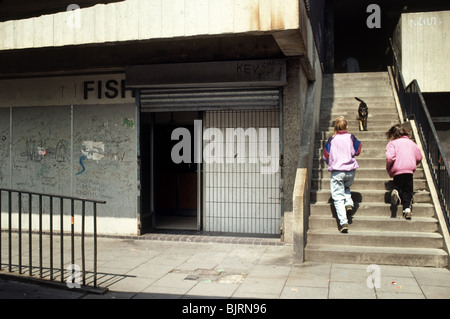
{"points": [[402, 157], [339, 153]]}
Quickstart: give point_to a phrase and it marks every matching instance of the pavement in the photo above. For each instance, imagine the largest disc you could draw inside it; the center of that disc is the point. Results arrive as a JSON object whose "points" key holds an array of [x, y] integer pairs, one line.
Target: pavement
{"points": [[207, 267]]}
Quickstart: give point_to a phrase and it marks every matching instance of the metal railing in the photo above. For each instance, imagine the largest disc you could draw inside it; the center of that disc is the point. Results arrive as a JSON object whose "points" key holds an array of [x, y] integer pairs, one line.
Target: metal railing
{"points": [[22, 210], [414, 107]]}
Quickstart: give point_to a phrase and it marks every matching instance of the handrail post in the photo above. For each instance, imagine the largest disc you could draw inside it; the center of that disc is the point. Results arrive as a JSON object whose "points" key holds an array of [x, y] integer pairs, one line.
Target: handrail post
{"points": [[95, 244], [72, 232], [19, 198], [10, 231], [40, 237], [83, 262], [61, 230], [30, 233], [51, 237]]}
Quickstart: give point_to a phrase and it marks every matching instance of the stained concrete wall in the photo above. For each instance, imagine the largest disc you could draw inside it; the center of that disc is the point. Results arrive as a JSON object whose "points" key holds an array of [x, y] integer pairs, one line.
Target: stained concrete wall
{"points": [[149, 19], [78, 150], [301, 105], [422, 41]]}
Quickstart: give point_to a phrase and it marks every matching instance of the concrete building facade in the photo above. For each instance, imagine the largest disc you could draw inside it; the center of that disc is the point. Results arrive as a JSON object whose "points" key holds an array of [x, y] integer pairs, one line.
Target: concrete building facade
{"points": [[90, 99]]}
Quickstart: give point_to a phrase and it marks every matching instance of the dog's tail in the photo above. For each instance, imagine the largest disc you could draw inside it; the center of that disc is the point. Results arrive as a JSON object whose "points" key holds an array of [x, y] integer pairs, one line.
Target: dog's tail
{"points": [[358, 99]]}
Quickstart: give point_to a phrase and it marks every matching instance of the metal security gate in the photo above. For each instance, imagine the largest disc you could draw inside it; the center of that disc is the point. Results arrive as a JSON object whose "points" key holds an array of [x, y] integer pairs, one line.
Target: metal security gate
{"points": [[240, 174], [242, 171]]}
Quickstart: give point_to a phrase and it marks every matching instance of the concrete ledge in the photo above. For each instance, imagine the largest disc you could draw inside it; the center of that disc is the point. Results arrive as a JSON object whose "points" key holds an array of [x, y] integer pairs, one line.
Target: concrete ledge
{"points": [[133, 20]]}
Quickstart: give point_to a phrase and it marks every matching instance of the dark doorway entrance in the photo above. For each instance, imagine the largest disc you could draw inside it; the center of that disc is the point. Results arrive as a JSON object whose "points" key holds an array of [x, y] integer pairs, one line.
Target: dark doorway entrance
{"points": [[169, 191]]}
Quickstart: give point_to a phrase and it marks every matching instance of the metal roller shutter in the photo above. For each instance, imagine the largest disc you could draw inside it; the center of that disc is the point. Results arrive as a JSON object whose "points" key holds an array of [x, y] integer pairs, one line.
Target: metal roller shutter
{"points": [[201, 99]]}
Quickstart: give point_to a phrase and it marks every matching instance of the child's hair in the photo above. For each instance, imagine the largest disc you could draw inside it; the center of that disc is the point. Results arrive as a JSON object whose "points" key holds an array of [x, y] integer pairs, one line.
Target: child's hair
{"points": [[396, 132], [340, 125]]}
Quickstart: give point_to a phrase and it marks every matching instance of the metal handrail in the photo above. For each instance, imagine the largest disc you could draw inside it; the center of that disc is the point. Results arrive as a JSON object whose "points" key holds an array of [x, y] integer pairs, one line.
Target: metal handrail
{"points": [[414, 107], [27, 198]]}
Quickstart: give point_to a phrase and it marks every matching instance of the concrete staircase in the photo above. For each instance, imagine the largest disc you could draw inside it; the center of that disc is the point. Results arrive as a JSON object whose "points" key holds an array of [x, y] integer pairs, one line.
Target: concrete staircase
{"points": [[376, 234]]}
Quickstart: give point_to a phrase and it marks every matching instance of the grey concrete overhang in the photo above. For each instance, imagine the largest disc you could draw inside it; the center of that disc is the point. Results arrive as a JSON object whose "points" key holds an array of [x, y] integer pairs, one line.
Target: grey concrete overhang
{"points": [[153, 31]]}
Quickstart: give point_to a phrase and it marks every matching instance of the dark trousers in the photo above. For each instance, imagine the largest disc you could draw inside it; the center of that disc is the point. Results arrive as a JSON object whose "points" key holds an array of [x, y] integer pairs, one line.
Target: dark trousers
{"points": [[403, 183]]}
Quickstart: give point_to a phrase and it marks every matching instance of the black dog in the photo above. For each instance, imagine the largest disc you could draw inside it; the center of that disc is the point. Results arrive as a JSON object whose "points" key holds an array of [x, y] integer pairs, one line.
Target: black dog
{"points": [[363, 113]]}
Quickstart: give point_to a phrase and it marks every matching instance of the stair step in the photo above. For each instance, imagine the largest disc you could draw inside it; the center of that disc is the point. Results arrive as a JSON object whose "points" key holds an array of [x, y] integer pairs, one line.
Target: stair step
{"points": [[351, 93], [363, 136], [348, 111], [353, 104], [366, 153], [362, 77], [364, 163], [367, 183], [357, 86], [417, 257], [376, 238], [373, 209], [376, 163], [354, 116], [368, 196], [351, 99], [373, 223], [372, 124], [378, 135], [364, 171], [379, 144]]}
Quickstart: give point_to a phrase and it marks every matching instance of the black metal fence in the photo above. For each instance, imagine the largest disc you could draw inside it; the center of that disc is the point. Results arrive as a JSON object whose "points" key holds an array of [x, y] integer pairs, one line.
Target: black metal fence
{"points": [[28, 219], [414, 107]]}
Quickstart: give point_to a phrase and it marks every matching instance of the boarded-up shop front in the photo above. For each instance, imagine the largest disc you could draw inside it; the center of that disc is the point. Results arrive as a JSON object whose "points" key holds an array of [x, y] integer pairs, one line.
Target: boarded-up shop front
{"points": [[71, 136]]}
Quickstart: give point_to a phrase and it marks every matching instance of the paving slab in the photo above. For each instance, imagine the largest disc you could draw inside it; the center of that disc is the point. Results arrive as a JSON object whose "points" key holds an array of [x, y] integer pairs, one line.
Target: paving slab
{"points": [[156, 269]]}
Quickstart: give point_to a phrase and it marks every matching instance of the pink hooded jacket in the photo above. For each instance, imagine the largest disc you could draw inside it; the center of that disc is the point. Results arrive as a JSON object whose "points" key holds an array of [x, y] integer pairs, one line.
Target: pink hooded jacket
{"points": [[402, 156]]}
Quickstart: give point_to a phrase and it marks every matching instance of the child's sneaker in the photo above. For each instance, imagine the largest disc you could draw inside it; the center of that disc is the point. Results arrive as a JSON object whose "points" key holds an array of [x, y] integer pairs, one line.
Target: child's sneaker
{"points": [[395, 198], [344, 228], [407, 213]]}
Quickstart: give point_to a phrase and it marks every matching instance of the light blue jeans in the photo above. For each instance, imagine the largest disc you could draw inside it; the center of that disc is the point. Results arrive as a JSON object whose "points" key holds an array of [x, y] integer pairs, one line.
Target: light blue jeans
{"points": [[340, 192]]}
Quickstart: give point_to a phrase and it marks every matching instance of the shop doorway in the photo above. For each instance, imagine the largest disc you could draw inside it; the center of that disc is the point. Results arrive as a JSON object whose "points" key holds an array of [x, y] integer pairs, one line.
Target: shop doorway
{"points": [[169, 191], [237, 186]]}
